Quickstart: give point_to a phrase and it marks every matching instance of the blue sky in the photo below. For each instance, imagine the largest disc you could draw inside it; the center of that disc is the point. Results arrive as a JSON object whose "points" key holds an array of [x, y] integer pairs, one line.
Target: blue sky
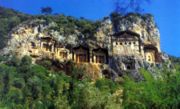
{"points": [[166, 13]]}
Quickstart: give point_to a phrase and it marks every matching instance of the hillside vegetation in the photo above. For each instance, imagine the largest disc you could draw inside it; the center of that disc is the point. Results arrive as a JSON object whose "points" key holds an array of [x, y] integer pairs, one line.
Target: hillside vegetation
{"points": [[8, 20], [67, 25], [29, 86], [24, 85]]}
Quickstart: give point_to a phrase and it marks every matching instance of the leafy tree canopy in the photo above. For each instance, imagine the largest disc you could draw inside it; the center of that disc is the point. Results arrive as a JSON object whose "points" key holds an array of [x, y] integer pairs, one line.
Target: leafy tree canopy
{"points": [[46, 10]]}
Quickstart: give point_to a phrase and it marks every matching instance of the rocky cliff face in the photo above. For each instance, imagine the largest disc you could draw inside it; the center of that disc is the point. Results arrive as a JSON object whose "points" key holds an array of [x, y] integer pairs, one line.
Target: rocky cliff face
{"points": [[144, 25], [30, 31]]}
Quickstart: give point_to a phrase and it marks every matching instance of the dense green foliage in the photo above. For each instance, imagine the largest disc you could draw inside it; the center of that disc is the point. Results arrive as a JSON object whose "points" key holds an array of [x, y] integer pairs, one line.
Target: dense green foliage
{"points": [[152, 93], [175, 60], [27, 86], [8, 20], [68, 25]]}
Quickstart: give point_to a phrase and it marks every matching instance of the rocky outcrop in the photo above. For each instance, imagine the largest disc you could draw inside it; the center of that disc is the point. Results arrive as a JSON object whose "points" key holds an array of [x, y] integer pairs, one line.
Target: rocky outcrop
{"points": [[123, 65], [29, 33], [144, 25]]}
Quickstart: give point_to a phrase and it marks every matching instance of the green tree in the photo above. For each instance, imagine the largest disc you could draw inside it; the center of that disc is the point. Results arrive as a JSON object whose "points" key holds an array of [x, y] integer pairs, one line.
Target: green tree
{"points": [[124, 6], [46, 10], [25, 67]]}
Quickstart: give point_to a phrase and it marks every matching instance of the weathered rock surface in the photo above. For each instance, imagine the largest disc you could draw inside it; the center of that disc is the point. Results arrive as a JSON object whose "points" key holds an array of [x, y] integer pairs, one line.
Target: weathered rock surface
{"points": [[144, 25], [31, 31]]}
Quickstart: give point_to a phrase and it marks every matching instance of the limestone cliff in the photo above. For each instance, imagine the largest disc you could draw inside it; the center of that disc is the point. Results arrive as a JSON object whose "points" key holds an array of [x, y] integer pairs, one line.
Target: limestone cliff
{"points": [[144, 25], [141, 24], [25, 39], [30, 31]]}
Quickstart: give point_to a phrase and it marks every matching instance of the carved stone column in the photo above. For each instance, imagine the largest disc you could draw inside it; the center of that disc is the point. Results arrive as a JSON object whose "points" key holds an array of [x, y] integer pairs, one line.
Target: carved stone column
{"points": [[52, 48], [90, 56]]}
